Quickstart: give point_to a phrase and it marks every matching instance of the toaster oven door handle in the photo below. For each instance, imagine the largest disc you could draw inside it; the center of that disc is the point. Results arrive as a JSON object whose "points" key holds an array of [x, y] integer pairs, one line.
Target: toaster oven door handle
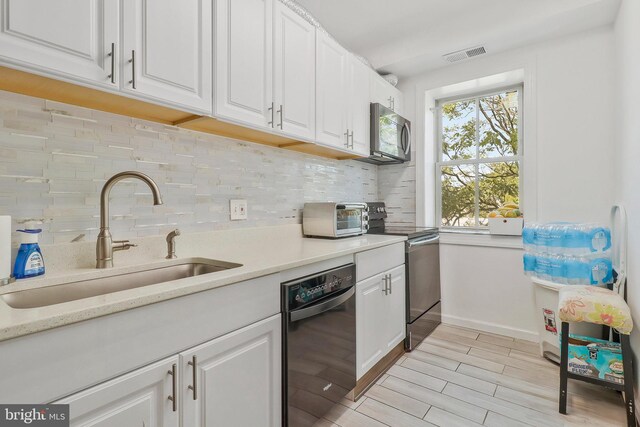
{"points": [[351, 206]]}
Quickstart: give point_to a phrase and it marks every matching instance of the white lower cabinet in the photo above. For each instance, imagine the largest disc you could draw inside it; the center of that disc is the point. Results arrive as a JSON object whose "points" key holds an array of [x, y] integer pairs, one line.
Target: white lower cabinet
{"points": [[237, 378], [139, 398], [380, 317], [233, 380]]}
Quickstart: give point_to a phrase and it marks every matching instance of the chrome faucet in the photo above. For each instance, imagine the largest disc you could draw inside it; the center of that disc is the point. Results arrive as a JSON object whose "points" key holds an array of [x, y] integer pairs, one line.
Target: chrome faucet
{"points": [[105, 246], [171, 244]]}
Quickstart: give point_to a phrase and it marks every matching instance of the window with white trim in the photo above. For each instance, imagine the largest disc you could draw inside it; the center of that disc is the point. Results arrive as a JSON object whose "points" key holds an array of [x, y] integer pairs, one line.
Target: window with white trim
{"points": [[479, 159]]}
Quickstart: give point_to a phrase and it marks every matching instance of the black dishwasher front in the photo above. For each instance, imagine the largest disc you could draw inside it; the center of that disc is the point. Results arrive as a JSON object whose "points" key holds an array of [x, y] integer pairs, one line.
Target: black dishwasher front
{"points": [[319, 343]]}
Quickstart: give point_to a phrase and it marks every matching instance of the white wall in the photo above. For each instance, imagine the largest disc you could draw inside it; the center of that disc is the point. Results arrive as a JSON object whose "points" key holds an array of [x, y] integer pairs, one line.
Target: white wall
{"points": [[568, 170], [627, 37]]}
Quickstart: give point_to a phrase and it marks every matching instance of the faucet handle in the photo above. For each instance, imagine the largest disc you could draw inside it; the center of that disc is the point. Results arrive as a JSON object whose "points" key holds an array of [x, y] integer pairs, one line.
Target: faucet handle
{"points": [[122, 245]]}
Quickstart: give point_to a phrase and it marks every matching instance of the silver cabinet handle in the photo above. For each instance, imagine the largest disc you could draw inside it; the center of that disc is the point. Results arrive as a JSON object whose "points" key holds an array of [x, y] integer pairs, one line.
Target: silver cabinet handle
{"points": [[112, 54], [194, 363], [133, 69], [390, 284], [351, 139], [385, 290], [347, 135], [272, 112], [393, 104], [281, 114], [174, 388]]}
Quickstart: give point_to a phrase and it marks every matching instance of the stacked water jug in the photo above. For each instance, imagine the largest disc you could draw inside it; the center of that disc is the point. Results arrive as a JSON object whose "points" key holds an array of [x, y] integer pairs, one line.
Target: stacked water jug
{"points": [[568, 253]]}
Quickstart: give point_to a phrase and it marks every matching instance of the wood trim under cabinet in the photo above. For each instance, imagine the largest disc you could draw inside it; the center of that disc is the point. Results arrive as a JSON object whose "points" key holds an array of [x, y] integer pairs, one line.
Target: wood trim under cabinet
{"points": [[377, 371], [56, 90], [25, 83]]}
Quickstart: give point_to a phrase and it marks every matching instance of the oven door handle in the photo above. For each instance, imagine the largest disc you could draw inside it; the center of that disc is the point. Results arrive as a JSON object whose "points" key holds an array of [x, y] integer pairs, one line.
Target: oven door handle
{"points": [[314, 310], [421, 242]]}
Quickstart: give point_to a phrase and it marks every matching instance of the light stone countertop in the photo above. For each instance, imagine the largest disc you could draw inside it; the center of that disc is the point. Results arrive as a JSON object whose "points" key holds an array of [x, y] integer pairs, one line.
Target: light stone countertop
{"points": [[261, 251]]}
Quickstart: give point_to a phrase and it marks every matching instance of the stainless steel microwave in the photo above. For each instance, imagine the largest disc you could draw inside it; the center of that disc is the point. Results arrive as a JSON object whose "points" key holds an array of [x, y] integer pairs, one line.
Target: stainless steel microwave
{"points": [[390, 136], [335, 219]]}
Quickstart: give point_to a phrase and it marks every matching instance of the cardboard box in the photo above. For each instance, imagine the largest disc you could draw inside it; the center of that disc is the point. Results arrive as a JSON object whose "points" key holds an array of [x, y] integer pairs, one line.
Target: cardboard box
{"points": [[596, 358]]}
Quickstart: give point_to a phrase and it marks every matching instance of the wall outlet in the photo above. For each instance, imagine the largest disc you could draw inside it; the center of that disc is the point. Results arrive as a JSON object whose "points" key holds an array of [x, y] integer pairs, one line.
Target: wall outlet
{"points": [[238, 209]]}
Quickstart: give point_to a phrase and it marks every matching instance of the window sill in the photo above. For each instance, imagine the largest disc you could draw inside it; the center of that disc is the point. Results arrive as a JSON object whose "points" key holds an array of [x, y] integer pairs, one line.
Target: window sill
{"points": [[479, 238]]}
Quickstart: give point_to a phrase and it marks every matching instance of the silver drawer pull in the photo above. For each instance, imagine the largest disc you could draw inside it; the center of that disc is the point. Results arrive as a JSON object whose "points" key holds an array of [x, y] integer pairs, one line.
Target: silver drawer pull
{"points": [[194, 363], [174, 388]]}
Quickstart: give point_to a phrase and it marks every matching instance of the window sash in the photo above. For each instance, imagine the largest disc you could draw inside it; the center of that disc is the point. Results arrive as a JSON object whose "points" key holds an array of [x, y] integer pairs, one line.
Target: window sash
{"points": [[477, 161]]}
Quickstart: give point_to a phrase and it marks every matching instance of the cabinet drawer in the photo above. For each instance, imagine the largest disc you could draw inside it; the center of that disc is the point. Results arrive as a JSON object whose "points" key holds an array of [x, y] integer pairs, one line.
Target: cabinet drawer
{"points": [[375, 261]]}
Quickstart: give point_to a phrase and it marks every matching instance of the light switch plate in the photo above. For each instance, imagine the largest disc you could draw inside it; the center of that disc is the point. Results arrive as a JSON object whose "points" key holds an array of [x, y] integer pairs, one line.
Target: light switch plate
{"points": [[238, 209]]}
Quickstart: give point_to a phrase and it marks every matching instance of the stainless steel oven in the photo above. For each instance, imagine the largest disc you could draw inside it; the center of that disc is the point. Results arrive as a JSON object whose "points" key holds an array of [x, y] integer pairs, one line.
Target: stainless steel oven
{"points": [[334, 219], [390, 136], [319, 343]]}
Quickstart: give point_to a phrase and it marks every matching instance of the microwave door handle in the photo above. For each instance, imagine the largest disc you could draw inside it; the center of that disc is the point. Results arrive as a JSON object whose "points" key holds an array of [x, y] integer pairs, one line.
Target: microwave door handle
{"points": [[406, 128]]}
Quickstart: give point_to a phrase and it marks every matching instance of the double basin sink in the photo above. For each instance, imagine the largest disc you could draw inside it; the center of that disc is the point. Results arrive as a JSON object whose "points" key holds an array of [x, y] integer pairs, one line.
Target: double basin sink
{"points": [[144, 276]]}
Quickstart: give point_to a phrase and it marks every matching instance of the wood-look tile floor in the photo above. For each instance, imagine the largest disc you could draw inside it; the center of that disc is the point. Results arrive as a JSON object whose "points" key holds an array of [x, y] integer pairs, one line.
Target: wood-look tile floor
{"points": [[463, 377]]}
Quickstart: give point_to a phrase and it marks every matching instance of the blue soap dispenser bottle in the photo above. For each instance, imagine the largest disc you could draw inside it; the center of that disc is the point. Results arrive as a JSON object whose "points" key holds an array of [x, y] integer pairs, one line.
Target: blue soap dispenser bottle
{"points": [[29, 261]]}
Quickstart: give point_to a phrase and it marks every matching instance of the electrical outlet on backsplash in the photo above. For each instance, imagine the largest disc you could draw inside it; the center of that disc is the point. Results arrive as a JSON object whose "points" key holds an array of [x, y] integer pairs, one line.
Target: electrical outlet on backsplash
{"points": [[55, 158]]}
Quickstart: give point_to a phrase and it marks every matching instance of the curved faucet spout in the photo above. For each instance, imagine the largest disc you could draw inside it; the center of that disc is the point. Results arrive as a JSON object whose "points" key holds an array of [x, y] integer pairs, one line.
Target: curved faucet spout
{"points": [[106, 190], [105, 244]]}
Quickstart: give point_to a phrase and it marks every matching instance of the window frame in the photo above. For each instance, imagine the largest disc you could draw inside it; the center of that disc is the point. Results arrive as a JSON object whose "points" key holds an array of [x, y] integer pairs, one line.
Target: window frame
{"points": [[475, 162]]}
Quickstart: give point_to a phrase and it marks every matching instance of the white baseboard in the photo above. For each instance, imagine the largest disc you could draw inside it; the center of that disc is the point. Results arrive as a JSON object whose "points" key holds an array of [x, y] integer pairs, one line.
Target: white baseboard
{"points": [[493, 328]]}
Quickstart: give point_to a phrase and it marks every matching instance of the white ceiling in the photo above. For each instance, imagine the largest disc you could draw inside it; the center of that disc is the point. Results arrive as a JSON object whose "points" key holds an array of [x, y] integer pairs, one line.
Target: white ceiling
{"points": [[408, 37]]}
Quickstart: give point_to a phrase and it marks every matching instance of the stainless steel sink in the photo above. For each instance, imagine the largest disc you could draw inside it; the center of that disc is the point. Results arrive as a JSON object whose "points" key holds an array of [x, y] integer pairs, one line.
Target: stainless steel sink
{"points": [[64, 292]]}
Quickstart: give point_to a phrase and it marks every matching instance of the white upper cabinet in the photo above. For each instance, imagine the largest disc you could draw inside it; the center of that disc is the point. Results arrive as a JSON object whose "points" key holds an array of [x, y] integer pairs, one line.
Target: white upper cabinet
{"points": [[69, 39], [166, 52], [294, 55], [243, 61], [331, 96], [383, 93], [359, 107], [139, 398], [235, 378]]}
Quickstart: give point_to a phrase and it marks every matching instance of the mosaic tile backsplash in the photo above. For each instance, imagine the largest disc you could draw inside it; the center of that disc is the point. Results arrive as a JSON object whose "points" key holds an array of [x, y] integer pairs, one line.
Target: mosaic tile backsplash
{"points": [[55, 158]]}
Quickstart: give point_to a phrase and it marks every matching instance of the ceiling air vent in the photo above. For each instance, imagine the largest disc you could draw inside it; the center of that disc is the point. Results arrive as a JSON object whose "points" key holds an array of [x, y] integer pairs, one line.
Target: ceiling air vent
{"points": [[459, 55]]}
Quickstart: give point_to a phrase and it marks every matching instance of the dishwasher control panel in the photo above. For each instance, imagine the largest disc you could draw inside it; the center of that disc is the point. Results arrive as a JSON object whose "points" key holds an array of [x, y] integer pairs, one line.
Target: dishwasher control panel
{"points": [[302, 292]]}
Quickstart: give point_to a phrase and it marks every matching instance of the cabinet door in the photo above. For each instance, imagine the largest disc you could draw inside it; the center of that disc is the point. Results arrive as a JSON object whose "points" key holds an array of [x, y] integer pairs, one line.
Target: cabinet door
{"points": [[237, 376], [359, 106], [383, 93], [331, 97], [166, 54], [394, 308], [294, 73], [243, 61], [140, 398], [69, 39], [370, 321]]}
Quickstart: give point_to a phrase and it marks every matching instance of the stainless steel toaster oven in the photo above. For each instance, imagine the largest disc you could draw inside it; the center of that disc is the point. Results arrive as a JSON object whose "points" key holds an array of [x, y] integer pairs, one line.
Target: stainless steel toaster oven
{"points": [[335, 219]]}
